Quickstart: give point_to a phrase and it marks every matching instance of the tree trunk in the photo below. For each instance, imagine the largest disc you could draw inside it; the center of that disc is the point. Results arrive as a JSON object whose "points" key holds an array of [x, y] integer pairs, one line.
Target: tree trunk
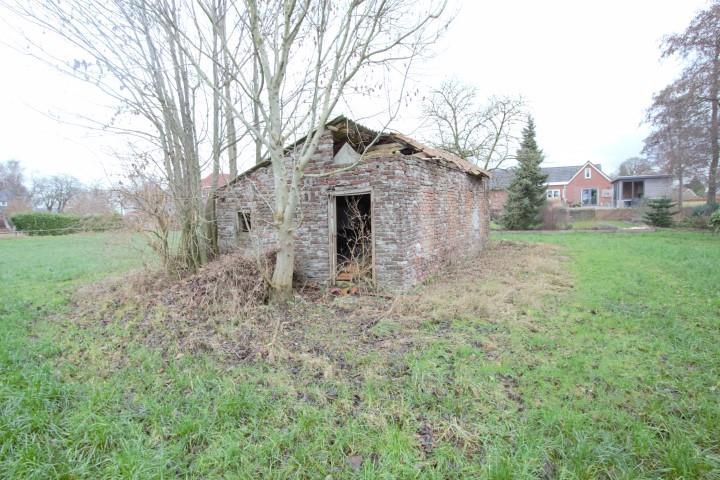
{"points": [[227, 77], [256, 112], [715, 149], [282, 291], [211, 226], [714, 131], [681, 187]]}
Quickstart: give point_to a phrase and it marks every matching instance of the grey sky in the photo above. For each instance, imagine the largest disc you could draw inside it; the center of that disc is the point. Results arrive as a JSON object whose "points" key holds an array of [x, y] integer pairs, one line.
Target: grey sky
{"points": [[588, 70]]}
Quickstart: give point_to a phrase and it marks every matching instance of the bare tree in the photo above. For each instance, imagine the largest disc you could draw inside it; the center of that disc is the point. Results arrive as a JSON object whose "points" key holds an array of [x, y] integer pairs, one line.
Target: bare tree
{"points": [[55, 192], [635, 166], [148, 209], [678, 143], [699, 47], [486, 134], [12, 183], [92, 200], [12, 179], [295, 61], [127, 49]]}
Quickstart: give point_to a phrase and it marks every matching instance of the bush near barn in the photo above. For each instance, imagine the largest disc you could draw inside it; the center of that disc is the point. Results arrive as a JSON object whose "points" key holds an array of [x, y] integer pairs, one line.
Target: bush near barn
{"points": [[714, 222], [44, 223]]}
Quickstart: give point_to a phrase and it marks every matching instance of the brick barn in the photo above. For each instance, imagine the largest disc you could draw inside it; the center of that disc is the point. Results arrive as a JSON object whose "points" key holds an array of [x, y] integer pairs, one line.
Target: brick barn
{"points": [[420, 208]]}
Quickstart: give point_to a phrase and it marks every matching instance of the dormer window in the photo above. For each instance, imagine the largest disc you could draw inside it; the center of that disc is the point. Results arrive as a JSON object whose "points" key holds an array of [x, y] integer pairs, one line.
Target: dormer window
{"points": [[588, 172]]}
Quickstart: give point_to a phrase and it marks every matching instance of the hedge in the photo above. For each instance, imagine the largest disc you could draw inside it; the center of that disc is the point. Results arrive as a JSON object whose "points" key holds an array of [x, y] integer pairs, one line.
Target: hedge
{"points": [[43, 223]]}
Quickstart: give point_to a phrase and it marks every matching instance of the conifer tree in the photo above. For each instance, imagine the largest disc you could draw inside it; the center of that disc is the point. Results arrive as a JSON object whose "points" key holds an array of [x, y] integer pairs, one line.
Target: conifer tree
{"points": [[526, 193], [660, 212]]}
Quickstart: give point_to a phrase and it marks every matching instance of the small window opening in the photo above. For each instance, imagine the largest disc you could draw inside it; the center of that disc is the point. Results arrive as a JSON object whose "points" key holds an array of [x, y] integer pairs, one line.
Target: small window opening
{"points": [[354, 238], [243, 222], [588, 173]]}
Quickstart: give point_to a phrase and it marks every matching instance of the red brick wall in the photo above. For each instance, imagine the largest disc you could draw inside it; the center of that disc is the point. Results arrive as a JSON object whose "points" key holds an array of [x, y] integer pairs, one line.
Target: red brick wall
{"points": [[573, 190]]}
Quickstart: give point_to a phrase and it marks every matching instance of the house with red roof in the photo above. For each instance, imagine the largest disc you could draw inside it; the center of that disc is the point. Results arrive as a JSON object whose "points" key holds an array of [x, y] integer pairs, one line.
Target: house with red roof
{"points": [[583, 185], [209, 182]]}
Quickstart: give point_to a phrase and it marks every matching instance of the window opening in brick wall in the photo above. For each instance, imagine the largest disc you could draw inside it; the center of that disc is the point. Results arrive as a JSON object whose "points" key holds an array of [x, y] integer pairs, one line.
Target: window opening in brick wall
{"points": [[243, 224]]}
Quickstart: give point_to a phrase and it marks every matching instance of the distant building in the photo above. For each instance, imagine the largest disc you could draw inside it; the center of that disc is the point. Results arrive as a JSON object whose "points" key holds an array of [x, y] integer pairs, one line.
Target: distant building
{"points": [[208, 183], [5, 199], [634, 190], [575, 186]]}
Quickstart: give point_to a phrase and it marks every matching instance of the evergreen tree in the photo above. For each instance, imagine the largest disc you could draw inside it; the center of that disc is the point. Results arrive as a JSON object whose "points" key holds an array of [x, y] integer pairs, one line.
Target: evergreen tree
{"points": [[660, 212], [526, 193]]}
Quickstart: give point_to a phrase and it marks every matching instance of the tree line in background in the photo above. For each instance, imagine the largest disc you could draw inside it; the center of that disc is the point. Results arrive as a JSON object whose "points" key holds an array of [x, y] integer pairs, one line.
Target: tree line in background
{"points": [[684, 115], [52, 193]]}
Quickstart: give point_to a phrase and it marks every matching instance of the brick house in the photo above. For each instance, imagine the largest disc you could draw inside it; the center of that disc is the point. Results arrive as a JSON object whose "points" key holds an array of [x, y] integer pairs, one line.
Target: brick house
{"points": [[5, 200], [576, 186], [500, 180], [579, 186], [423, 208], [207, 183]]}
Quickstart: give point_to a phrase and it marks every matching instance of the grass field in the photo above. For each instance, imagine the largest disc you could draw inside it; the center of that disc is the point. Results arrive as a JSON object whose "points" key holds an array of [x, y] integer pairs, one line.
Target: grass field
{"points": [[601, 224], [595, 357]]}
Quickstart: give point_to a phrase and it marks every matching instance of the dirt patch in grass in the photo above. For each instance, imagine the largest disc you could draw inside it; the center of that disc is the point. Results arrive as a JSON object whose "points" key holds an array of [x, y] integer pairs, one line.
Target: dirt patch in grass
{"points": [[318, 332]]}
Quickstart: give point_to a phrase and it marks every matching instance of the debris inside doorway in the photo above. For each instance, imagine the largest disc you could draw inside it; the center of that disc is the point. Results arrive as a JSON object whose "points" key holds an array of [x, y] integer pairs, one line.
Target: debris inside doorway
{"points": [[354, 245]]}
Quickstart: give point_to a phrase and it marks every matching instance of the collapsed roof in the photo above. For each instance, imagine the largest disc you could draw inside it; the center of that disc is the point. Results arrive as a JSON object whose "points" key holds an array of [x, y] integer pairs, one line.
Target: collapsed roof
{"points": [[372, 144]]}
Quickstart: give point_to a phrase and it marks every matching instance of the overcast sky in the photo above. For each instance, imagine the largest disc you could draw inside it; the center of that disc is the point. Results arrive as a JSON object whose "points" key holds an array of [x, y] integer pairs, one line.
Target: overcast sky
{"points": [[588, 70]]}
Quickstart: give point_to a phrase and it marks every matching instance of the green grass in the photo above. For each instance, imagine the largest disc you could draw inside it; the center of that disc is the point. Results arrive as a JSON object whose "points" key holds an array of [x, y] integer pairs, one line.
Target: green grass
{"points": [[617, 378], [600, 224]]}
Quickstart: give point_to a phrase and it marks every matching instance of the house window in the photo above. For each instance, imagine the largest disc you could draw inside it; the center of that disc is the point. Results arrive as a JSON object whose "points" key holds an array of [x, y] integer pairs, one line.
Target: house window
{"points": [[589, 196], [553, 194], [243, 223], [588, 172], [3, 204]]}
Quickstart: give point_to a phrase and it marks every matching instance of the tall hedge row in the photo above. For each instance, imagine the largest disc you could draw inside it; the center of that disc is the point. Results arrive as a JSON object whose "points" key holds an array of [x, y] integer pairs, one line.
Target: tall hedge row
{"points": [[43, 223]]}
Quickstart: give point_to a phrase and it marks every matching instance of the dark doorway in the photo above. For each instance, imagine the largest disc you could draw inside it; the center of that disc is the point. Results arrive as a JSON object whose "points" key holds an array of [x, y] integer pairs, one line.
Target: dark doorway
{"points": [[354, 246]]}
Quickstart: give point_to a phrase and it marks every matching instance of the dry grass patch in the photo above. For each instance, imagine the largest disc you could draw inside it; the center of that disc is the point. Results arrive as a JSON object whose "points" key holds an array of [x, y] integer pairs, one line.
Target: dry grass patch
{"points": [[221, 311]]}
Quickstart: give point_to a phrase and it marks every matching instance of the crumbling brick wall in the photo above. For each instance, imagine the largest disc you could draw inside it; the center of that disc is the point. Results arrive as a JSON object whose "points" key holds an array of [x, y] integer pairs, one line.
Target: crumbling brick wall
{"points": [[424, 214]]}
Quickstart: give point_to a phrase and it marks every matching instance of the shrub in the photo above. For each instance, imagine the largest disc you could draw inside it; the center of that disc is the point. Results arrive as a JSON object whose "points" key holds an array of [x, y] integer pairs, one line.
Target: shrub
{"points": [[714, 222], [100, 223], [704, 210], [695, 222], [659, 213], [554, 218], [44, 223]]}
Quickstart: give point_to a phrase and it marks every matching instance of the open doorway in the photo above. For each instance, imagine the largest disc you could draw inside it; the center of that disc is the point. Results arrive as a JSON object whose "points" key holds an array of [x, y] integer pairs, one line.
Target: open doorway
{"points": [[353, 255]]}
